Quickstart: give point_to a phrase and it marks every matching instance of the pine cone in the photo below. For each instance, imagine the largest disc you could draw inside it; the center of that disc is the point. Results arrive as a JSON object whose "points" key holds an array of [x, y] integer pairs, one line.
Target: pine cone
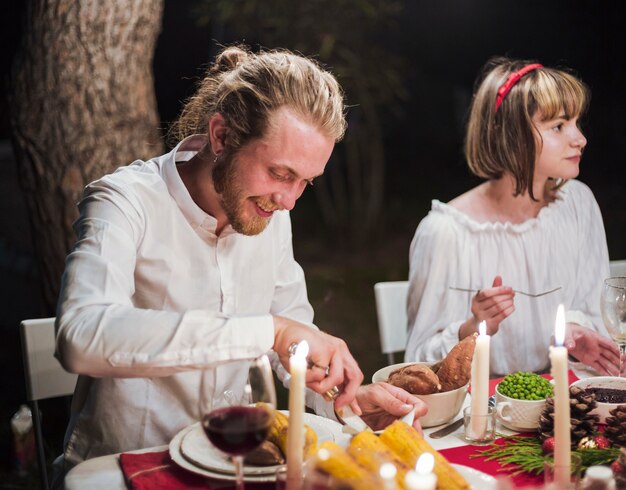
{"points": [[615, 430], [582, 423]]}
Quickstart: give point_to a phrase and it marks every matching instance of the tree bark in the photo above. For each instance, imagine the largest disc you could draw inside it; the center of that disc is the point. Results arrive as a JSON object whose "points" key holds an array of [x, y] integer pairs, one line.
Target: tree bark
{"points": [[82, 104]]}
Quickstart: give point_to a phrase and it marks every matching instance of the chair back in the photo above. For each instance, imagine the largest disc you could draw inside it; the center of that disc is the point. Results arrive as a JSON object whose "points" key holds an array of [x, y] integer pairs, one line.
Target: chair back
{"points": [[391, 298], [45, 378], [618, 268]]}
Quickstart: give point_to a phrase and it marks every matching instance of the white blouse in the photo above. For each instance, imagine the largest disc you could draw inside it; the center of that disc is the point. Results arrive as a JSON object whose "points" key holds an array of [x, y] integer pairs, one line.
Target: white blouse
{"points": [[565, 245]]}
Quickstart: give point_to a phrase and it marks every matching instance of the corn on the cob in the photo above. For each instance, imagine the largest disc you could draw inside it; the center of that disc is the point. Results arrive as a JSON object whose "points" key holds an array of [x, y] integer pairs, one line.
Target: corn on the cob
{"points": [[334, 460], [369, 451], [408, 445], [278, 435]]}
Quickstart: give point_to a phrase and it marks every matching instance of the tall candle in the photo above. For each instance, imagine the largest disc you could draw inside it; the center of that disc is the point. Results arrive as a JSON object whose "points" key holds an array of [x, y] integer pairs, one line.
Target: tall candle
{"points": [[295, 432], [423, 477], [480, 383], [562, 435]]}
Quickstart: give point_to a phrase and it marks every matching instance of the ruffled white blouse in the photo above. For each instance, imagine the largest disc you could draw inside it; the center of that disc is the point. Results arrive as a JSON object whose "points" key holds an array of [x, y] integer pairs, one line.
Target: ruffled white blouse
{"points": [[565, 245]]}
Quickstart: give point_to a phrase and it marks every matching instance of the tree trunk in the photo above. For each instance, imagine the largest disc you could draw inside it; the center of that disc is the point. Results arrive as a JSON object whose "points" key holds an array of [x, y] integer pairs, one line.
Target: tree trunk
{"points": [[82, 104]]}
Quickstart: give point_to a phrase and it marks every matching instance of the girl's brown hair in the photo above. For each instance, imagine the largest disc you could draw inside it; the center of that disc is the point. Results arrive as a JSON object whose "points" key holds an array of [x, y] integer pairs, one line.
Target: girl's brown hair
{"points": [[506, 140]]}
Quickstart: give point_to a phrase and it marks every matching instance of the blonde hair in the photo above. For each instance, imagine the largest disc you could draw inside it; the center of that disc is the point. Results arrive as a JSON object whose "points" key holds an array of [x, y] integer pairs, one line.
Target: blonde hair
{"points": [[246, 88], [506, 140]]}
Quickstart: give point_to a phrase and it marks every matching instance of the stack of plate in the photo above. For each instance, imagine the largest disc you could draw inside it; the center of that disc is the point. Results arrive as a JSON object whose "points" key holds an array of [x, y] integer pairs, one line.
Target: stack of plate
{"points": [[191, 450]]}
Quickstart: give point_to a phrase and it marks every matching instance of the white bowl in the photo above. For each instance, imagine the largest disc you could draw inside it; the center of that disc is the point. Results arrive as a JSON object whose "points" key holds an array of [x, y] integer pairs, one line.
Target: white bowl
{"points": [[518, 415], [442, 407], [602, 409]]}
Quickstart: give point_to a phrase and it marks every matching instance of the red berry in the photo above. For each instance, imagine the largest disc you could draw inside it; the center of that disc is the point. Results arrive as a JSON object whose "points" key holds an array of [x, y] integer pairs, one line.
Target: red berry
{"points": [[617, 467], [548, 445], [602, 442]]}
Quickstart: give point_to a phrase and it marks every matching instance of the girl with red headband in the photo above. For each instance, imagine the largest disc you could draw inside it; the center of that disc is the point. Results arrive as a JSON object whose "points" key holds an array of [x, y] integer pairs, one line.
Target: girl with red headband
{"points": [[530, 228]]}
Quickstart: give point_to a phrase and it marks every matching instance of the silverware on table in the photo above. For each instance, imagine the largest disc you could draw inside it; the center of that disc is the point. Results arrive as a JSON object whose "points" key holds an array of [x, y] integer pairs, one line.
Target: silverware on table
{"points": [[450, 428], [531, 295]]}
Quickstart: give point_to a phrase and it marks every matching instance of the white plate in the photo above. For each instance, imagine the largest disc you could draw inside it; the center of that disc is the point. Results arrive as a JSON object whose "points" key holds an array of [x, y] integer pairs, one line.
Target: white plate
{"points": [[191, 449], [477, 479], [179, 459]]}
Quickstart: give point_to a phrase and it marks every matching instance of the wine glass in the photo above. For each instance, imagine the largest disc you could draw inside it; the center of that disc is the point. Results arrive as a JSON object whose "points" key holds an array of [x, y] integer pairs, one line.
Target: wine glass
{"points": [[237, 403], [613, 307]]}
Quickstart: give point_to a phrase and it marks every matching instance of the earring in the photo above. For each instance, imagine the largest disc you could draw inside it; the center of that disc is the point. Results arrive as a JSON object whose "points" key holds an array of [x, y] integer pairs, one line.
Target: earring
{"points": [[215, 159]]}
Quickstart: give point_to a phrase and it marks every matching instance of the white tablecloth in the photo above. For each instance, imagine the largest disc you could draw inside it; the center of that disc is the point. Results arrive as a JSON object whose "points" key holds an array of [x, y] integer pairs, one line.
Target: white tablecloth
{"points": [[104, 473]]}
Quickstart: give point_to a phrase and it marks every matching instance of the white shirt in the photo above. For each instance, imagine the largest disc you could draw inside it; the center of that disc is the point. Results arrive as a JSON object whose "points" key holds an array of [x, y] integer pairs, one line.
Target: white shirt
{"points": [[565, 245], [150, 292]]}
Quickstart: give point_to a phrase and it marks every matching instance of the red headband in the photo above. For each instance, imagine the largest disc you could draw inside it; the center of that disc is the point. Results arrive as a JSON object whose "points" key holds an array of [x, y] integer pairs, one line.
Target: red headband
{"points": [[512, 80]]}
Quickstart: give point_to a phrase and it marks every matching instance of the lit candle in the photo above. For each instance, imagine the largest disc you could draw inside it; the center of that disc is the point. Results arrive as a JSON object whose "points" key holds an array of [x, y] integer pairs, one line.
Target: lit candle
{"points": [[562, 436], [295, 432], [423, 477], [388, 474], [480, 383]]}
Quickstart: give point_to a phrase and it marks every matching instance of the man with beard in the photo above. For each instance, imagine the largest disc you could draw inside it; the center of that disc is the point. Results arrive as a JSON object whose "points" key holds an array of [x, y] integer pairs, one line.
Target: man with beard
{"points": [[185, 261]]}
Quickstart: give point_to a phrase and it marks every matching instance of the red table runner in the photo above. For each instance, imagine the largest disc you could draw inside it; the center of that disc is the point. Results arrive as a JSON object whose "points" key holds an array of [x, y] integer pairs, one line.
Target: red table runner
{"points": [[156, 470], [461, 455]]}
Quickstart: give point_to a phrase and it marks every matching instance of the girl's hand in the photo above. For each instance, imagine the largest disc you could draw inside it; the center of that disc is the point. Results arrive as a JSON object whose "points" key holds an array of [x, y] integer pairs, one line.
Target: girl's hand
{"points": [[592, 349], [493, 305]]}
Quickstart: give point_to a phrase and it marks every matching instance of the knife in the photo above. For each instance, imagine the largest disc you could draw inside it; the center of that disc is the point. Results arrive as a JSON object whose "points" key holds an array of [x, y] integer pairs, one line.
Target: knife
{"points": [[449, 429], [352, 423]]}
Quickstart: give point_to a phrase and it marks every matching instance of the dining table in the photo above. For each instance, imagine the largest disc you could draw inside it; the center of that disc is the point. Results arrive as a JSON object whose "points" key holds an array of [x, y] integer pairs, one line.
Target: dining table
{"points": [[153, 468]]}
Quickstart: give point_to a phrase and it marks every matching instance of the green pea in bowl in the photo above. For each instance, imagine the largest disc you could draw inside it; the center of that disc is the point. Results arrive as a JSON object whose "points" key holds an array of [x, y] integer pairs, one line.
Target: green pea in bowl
{"points": [[520, 399]]}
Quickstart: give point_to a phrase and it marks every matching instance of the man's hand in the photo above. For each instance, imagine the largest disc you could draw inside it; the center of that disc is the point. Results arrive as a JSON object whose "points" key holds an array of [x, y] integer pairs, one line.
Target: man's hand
{"points": [[592, 349], [327, 354], [382, 403]]}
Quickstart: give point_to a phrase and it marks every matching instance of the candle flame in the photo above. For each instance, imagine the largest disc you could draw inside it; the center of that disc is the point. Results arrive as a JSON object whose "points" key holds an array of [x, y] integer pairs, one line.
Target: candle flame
{"points": [[323, 454], [302, 350], [559, 326], [482, 328], [387, 471], [425, 464]]}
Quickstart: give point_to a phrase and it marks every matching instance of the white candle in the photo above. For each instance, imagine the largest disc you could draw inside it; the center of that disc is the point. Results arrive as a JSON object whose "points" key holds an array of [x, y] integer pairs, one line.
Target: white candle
{"points": [[295, 433], [423, 477], [388, 474], [562, 435], [480, 383]]}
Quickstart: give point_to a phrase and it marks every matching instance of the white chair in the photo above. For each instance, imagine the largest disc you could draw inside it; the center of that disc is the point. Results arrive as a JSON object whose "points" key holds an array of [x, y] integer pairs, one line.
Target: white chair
{"points": [[391, 298], [45, 378], [618, 268]]}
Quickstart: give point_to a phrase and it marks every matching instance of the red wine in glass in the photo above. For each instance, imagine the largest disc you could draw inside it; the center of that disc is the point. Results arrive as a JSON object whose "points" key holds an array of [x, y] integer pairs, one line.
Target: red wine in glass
{"points": [[237, 430]]}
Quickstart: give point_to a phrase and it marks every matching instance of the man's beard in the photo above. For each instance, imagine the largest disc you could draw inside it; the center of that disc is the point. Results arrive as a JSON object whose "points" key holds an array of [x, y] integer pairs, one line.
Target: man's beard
{"points": [[232, 197]]}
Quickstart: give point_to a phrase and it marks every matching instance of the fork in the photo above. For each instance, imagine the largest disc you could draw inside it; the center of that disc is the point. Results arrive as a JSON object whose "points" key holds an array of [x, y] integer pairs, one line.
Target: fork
{"points": [[531, 295]]}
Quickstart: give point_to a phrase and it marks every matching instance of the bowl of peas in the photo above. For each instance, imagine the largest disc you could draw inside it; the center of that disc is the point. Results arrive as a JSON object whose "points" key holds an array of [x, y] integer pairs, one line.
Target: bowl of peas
{"points": [[520, 399]]}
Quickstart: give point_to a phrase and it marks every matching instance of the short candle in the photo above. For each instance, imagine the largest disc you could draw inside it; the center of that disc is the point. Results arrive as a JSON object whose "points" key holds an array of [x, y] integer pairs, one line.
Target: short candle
{"points": [[422, 478]]}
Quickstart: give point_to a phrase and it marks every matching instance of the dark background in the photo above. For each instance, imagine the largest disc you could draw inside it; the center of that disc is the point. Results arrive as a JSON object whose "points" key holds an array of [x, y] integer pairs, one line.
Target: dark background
{"points": [[446, 43]]}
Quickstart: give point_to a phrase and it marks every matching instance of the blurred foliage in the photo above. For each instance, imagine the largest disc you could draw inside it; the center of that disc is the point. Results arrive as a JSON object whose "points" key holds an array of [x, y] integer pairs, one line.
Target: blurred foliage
{"points": [[346, 37]]}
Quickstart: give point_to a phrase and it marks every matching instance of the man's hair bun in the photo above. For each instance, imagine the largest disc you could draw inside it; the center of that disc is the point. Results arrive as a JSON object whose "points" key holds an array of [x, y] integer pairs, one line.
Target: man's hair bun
{"points": [[228, 59]]}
